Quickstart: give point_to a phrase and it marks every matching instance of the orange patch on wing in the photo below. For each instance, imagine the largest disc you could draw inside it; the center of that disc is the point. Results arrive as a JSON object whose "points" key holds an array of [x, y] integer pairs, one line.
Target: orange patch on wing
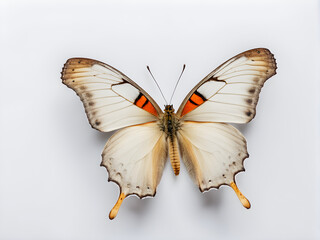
{"points": [[150, 108], [188, 108], [197, 99], [141, 101]]}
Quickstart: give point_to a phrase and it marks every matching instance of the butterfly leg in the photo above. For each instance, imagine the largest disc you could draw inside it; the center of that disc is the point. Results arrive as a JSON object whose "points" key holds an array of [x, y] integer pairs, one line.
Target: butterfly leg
{"points": [[245, 202], [114, 211]]}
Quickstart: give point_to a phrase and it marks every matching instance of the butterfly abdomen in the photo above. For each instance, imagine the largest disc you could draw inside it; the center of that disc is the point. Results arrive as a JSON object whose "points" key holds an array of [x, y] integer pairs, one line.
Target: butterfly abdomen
{"points": [[174, 154]]}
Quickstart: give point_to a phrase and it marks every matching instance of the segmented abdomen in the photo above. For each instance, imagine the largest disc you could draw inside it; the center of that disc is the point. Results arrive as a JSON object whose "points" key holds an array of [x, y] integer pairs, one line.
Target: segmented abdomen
{"points": [[174, 154]]}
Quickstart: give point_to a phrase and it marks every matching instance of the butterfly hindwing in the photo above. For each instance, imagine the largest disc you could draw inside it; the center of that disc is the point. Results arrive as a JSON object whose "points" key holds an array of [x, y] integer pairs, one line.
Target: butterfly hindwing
{"points": [[110, 98], [230, 93], [212, 152], [134, 158]]}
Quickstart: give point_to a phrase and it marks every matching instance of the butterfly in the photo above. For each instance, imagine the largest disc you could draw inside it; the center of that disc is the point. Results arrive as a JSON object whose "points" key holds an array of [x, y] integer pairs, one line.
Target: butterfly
{"points": [[212, 150]]}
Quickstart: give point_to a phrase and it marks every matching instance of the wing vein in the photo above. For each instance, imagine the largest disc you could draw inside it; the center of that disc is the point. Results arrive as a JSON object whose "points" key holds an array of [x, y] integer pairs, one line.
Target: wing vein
{"points": [[226, 76], [226, 65], [235, 94], [206, 112], [114, 111], [114, 103], [248, 83], [234, 104], [93, 90]]}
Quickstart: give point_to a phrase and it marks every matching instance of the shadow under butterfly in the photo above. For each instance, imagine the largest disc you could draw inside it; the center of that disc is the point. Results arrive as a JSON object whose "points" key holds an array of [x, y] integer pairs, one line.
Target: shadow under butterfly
{"points": [[212, 150]]}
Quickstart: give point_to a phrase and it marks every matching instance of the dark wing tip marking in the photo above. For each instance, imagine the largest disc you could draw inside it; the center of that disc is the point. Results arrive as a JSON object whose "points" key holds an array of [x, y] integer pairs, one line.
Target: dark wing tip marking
{"points": [[72, 64]]}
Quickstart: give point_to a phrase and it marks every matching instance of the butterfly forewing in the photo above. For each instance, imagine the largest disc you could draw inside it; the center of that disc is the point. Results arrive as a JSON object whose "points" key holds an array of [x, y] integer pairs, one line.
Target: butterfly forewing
{"points": [[111, 99], [230, 93]]}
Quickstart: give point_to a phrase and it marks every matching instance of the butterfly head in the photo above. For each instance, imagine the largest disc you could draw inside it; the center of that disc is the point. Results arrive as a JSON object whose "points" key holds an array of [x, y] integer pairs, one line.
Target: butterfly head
{"points": [[169, 108]]}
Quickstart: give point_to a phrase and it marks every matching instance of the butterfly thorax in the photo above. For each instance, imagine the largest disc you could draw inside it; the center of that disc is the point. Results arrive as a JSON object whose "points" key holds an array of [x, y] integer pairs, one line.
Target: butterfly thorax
{"points": [[170, 124]]}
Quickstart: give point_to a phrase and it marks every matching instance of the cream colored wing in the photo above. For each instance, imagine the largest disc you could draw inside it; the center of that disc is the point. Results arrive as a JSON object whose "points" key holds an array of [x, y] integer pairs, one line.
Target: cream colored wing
{"points": [[213, 154], [110, 98], [230, 93], [135, 157]]}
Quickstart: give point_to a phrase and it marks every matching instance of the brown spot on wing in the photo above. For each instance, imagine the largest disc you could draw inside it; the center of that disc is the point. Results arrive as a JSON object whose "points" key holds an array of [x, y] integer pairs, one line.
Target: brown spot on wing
{"points": [[89, 95], [256, 79], [248, 113], [252, 90]]}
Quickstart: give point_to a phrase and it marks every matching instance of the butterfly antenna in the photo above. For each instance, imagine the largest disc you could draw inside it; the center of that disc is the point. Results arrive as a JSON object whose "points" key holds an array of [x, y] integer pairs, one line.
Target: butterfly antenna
{"points": [[157, 85], [184, 66]]}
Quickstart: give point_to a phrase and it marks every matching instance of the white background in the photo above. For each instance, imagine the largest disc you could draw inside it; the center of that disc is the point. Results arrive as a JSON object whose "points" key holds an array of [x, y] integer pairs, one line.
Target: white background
{"points": [[51, 185]]}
